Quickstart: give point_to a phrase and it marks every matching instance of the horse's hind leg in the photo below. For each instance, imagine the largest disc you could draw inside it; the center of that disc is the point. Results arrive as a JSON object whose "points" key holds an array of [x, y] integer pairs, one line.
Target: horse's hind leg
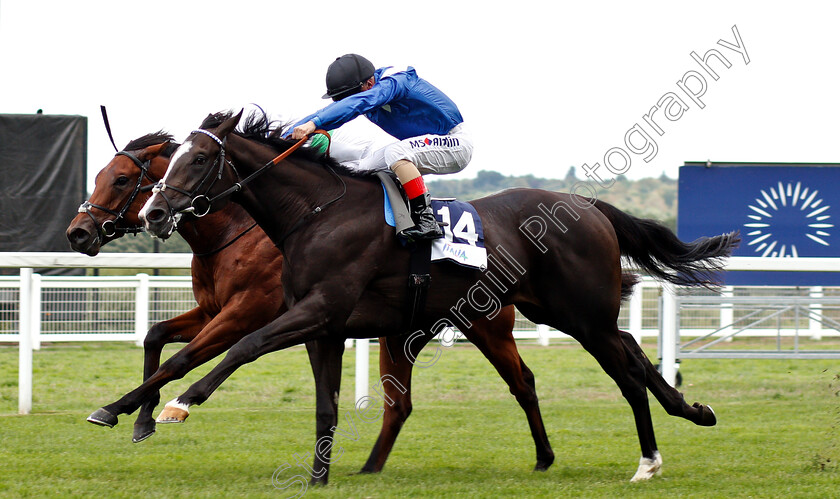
{"points": [[625, 368], [669, 397], [394, 364], [495, 340]]}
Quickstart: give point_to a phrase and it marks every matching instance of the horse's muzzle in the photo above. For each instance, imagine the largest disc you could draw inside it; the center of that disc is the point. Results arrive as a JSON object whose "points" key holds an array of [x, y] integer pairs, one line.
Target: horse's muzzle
{"points": [[159, 223], [83, 241]]}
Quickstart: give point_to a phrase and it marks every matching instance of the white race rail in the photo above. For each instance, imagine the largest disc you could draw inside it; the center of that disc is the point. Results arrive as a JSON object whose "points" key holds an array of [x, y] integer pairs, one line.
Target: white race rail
{"points": [[669, 325], [26, 262], [29, 308]]}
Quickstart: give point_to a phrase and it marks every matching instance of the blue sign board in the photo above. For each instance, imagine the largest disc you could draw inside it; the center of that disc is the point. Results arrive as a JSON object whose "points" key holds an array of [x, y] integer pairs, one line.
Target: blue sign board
{"points": [[781, 210]]}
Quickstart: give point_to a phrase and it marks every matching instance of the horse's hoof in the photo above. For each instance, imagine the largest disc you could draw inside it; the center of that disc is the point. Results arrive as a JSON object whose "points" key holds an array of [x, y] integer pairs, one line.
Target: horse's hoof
{"points": [[544, 464], [648, 468], [143, 431], [173, 412], [102, 417], [318, 482], [707, 415]]}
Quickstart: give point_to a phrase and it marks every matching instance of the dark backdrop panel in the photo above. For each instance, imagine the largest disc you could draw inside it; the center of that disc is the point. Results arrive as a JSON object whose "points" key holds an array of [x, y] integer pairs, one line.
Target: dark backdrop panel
{"points": [[786, 210], [43, 162]]}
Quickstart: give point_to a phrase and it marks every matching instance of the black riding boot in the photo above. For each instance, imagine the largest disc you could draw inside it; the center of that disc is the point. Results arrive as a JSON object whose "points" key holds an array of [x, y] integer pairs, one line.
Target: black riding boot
{"points": [[425, 224]]}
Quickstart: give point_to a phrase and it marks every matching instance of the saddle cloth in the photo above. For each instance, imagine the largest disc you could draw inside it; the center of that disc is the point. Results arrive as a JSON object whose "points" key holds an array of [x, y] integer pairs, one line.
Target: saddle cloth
{"points": [[463, 240]]}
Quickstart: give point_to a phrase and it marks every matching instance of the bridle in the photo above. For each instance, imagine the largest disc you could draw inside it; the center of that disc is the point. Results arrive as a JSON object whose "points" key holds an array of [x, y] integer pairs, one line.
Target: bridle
{"points": [[196, 199], [109, 228]]}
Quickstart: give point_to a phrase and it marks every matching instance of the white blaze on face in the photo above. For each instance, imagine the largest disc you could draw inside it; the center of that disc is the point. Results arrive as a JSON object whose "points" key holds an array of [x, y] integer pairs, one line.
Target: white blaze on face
{"points": [[182, 150]]}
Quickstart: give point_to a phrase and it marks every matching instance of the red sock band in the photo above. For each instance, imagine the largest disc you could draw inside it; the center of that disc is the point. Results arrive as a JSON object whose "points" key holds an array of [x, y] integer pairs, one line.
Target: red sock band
{"points": [[414, 188]]}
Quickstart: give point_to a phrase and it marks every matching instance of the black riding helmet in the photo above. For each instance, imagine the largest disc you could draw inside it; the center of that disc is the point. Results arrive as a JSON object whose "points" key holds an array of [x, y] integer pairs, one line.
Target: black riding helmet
{"points": [[346, 75]]}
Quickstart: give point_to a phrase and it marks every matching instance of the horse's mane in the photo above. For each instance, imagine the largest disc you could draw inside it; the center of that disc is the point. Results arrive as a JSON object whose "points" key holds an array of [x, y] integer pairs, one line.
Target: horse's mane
{"points": [[153, 139], [258, 127]]}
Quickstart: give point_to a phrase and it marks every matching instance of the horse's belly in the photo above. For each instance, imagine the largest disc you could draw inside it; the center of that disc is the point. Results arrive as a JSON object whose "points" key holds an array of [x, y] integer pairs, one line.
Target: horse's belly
{"points": [[373, 317]]}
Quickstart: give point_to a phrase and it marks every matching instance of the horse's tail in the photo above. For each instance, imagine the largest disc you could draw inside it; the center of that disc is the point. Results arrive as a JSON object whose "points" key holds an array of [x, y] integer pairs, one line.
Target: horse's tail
{"points": [[659, 252]]}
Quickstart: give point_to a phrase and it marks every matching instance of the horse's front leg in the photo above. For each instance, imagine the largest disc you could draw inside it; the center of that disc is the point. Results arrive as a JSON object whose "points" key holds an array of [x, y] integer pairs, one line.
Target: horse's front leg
{"points": [[218, 335], [325, 357], [182, 328], [310, 319]]}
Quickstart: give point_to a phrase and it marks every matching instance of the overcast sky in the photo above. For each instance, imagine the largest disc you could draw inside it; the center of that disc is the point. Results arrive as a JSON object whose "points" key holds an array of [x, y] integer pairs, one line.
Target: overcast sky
{"points": [[542, 85]]}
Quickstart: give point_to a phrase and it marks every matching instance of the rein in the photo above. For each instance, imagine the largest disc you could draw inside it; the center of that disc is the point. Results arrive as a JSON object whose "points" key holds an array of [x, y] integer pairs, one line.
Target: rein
{"points": [[227, 244], [109, 228], [160, 187], [277, 159]]}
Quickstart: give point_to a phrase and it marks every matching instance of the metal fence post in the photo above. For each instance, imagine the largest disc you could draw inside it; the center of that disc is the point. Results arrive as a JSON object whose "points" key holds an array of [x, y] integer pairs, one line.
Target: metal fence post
{"points": [[362, 367], [668, 344], [35, 301], [141, 309], [814, 324], [25, 343], [727, 312], [635, 312], [542, 335]]}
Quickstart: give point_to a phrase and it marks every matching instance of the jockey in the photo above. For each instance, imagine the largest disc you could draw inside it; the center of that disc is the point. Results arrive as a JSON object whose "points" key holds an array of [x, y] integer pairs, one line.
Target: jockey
{"points": [[427, 124]]}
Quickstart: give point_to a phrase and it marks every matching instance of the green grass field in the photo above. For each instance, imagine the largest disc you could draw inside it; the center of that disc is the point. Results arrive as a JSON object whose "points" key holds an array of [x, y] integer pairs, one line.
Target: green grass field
{"points": [[778, 433]]}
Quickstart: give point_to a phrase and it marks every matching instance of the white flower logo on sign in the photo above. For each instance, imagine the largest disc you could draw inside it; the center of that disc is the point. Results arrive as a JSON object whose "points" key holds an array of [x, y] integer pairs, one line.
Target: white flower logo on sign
{"points": [[780, 207]]}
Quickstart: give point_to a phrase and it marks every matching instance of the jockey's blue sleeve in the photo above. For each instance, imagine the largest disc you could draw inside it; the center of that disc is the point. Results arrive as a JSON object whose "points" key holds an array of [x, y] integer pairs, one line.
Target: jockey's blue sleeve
{"points": [[401, 103]]}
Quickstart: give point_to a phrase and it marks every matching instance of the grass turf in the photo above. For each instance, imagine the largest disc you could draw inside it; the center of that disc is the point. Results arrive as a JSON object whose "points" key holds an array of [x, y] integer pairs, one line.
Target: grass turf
{"points": [[778, 432]]}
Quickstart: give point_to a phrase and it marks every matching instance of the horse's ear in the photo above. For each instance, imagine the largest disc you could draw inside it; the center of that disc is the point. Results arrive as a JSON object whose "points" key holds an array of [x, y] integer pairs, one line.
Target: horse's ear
{"points": [[229, 124], [153, 151]]}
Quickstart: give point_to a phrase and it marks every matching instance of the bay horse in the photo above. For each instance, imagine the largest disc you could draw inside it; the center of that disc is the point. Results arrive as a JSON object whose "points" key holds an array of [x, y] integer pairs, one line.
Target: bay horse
{"points": [[549, 254], [236, 279]]}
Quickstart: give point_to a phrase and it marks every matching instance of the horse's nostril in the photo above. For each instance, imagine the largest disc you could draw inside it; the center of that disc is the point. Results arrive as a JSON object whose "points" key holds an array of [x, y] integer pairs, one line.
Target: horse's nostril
{"points": [[155, 215], [78, 236]]}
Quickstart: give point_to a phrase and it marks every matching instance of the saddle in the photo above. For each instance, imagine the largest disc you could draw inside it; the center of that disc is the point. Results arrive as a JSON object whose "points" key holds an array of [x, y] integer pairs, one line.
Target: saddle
{"points": [[463, 244]]}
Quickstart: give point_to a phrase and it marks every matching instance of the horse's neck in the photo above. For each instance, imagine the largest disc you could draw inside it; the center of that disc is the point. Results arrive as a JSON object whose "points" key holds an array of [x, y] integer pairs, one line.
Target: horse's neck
{"points": [[284, 193], [284, 198]]}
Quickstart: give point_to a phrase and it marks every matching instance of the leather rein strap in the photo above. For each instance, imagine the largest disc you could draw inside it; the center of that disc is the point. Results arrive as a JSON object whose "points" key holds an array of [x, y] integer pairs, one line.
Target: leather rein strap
{"points": [[277, 159]]}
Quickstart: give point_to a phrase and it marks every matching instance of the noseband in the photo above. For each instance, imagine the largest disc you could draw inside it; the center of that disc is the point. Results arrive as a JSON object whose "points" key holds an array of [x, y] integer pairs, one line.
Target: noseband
{"points": [[109, 228]]}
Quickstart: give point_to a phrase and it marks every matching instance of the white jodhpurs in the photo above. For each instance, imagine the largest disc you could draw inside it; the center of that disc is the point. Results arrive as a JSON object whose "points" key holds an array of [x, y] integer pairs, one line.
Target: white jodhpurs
{"points": [[439, 154]]}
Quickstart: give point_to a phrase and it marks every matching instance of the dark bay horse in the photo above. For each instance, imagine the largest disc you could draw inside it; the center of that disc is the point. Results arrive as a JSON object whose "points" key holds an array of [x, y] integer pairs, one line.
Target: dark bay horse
{"points": [[236, 273], [550, 254]]}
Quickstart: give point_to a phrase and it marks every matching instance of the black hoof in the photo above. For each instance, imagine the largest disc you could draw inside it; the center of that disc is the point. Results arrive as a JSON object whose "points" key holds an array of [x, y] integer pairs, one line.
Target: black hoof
{"points": [[544, 464], [707, 415], [143, 431], [318, 482], [102, 417], [366, 471]]}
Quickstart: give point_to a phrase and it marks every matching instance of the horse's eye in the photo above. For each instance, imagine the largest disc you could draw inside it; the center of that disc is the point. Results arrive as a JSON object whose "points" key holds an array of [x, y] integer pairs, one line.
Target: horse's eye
{"points": [[121, 180], [200, 160]]}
